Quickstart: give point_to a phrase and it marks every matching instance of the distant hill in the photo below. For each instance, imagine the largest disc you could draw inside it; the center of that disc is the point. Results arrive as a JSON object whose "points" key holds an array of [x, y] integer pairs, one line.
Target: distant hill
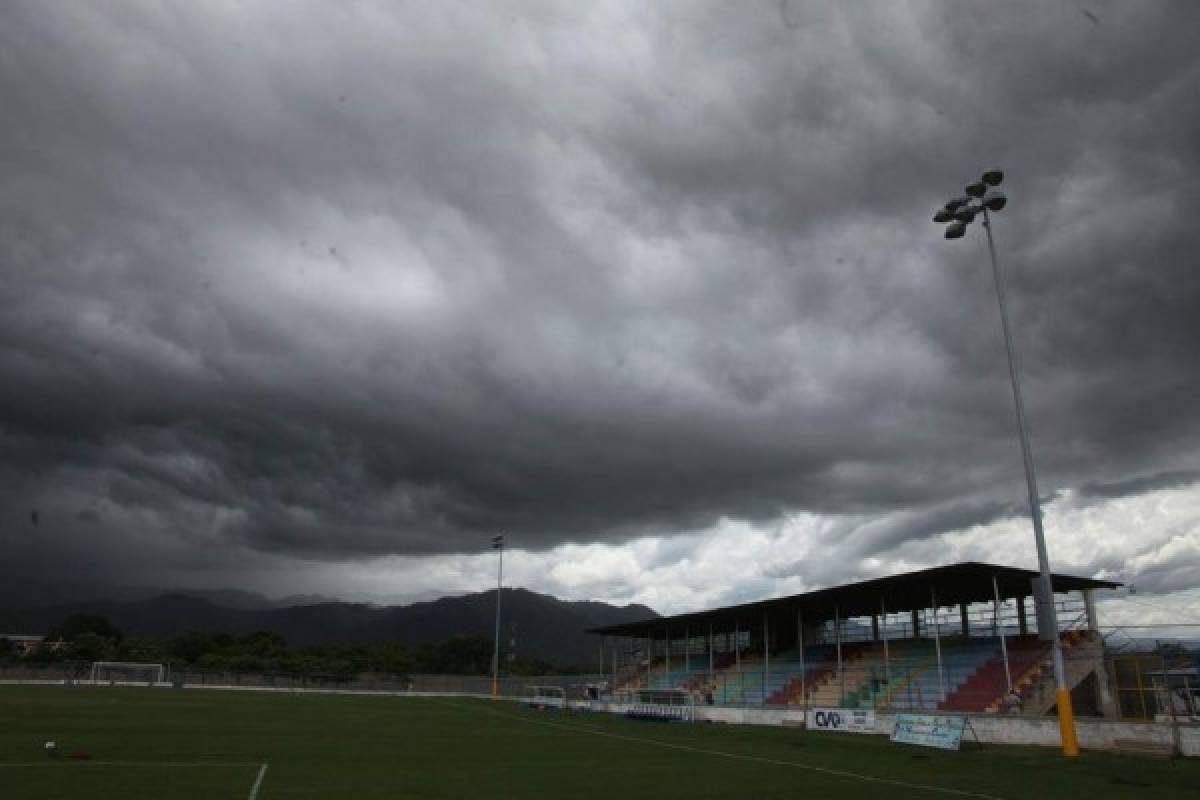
{"points": [[15, 591], [544, 626]]}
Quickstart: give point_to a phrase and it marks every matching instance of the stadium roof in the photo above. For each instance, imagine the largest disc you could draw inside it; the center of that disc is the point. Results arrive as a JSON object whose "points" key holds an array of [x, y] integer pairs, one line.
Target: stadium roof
{"points": [[966, 582]]}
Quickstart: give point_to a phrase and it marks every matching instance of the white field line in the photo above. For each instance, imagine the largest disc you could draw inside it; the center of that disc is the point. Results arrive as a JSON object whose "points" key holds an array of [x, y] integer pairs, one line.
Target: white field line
{"points": [[262, 773], [140, 764], [740, 757]]}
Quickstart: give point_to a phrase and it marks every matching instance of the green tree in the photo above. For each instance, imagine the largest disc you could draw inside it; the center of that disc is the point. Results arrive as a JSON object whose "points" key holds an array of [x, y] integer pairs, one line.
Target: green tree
{"points": [[88, 646], [79, 624], [460, 655], [190, 647]]}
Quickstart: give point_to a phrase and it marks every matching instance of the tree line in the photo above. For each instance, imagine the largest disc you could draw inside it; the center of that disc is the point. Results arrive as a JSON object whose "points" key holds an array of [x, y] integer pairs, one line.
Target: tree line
{"points": [[88, 637]]}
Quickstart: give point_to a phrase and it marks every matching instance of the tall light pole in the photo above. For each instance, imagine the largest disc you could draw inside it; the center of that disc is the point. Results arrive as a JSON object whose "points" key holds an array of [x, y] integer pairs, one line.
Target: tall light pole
{"points": [[498, 546], [982, 197]]}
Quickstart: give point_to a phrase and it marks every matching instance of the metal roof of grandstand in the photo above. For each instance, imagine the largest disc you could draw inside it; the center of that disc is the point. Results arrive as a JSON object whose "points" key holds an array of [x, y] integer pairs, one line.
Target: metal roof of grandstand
{"points": [[966, 582]]}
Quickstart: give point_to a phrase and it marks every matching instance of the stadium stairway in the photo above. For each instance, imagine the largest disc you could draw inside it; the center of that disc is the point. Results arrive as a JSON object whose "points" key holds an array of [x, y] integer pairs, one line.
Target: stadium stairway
{"points": [[818, 667], [857, 662], [734, 687], [1083, 652], [985, 689], [905, 676]]}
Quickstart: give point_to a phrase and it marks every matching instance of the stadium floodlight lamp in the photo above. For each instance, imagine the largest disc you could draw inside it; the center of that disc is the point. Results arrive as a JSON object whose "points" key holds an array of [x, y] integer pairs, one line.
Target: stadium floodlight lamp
{"points": [[497, 545], [994, 200], [975, 189], [963, 213], [943, 215]]}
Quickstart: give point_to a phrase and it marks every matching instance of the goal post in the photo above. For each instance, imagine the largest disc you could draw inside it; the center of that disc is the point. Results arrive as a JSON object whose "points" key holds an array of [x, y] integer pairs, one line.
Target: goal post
{"points": [[127, 672], [670, 705], [545, 697]]}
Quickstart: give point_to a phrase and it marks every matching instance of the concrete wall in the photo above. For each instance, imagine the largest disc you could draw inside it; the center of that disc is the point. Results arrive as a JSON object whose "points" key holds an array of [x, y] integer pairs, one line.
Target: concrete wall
{"points": [[1093, 734], [988, 728]]}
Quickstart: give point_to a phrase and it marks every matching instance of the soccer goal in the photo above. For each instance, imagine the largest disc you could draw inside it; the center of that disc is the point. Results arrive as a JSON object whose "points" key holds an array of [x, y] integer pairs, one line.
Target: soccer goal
{"points": [[669, 705], [125, 672], [545, 697]]}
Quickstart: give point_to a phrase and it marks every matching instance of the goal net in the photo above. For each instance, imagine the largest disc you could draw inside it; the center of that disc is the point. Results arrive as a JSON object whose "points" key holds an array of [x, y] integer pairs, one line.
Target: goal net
{"points": [[545, 697], [127, 672], [671, 705]]}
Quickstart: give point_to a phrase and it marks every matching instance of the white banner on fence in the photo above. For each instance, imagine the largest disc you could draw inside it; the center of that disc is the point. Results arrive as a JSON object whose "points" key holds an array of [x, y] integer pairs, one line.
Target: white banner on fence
{"points": [[841, 719], [929, 730]]}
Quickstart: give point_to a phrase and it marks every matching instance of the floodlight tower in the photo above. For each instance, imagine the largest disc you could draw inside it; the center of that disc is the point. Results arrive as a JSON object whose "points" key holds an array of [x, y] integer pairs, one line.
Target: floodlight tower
{"points": [[498, 546], [980, 198]]}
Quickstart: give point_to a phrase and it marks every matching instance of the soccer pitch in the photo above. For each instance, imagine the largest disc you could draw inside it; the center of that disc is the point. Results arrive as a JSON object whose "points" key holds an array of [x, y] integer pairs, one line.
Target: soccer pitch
{"points": [[225, 744]]}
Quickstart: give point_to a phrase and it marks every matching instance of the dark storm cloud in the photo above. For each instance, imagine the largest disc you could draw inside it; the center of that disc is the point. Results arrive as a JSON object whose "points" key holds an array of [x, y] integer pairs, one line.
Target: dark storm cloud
{"points": [[343, 281]]}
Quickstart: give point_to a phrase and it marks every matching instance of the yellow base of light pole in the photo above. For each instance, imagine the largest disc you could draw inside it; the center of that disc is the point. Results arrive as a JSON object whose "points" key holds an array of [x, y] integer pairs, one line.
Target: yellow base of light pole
{"points": [[1066, 724]]}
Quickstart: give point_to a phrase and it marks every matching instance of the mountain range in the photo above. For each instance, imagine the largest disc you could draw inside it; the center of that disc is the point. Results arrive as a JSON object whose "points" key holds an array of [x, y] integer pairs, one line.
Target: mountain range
{"points": [[542, 626]]}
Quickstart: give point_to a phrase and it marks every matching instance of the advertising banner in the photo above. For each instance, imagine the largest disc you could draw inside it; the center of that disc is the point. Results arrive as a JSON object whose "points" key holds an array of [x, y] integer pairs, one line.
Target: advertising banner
{"points": [[929, 730], [841, 719]]}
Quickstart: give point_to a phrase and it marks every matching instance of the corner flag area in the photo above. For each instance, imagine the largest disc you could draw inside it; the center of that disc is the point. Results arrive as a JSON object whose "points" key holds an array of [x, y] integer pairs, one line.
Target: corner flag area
{"points": [[140, 742]]}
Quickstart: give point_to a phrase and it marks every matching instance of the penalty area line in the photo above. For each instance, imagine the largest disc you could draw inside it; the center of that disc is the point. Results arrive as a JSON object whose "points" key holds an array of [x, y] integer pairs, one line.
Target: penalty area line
{"points": [[740, 757]]}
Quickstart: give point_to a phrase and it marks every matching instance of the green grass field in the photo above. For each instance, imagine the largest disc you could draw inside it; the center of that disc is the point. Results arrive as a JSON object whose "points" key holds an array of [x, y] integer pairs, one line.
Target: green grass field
{"points": [[212, 744]]}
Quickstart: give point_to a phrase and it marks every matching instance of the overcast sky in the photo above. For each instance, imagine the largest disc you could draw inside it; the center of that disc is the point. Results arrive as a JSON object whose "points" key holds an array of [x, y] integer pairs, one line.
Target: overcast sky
{"points": [[319, 297]]}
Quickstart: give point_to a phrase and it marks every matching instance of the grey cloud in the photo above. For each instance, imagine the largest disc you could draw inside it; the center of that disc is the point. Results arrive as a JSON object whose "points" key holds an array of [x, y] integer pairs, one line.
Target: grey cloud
{"points": [[331, 283], [1141, 484]]}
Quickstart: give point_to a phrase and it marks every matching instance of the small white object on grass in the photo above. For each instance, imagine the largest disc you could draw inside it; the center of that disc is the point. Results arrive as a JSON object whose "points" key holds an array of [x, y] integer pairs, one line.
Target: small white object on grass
{"points": [[51, 748]]}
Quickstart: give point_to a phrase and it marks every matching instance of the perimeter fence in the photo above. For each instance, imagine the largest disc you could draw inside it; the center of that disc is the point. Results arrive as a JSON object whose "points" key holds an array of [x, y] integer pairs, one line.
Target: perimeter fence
{"points": [[1155, 671], [575, 686]]}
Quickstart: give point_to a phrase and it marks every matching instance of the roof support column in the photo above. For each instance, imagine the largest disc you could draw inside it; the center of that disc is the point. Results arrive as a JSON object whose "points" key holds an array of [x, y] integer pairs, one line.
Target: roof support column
{"points": [[916, 623], [766, 670], [1089, 605], [737, 657], [937, 643], [667, 660], [710, 652], [837, 632], [800, 647], [998, 628], [962, 616], [687, 650], [1022, 623], [886, 654], [649, 656], [737, 648], [615, 650]]}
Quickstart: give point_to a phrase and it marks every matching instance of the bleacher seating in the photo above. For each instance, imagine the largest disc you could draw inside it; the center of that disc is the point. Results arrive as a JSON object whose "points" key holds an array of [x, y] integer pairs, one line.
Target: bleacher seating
{"points": [[985, 689], [906, 678], [789, 689]]}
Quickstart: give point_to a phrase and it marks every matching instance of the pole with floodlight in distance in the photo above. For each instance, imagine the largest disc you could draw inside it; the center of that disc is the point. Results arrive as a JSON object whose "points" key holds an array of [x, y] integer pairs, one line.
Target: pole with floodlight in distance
{"points": [[498, 546], [982, 197]]}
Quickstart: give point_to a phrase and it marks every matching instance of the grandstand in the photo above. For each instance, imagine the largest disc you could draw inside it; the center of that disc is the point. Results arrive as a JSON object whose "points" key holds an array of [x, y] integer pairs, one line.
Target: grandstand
{"points": [[963, 638]]}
